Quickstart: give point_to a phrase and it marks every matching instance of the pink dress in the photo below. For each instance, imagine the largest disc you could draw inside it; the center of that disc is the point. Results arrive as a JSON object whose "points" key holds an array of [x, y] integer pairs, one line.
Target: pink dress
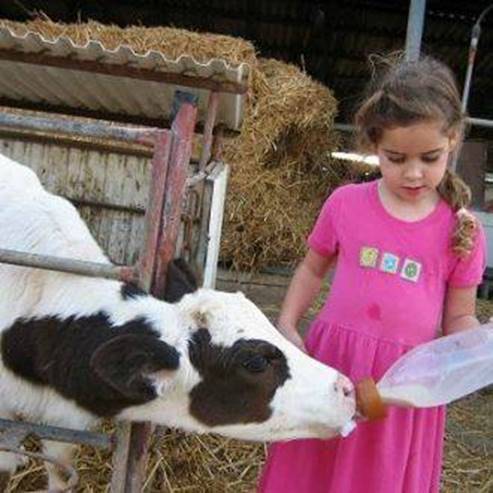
{"points": [[386, 297]]}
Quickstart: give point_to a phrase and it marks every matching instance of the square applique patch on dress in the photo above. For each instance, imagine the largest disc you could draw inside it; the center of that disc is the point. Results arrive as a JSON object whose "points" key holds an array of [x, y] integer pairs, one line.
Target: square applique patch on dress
{"points": [[411, 270], [368, 256], [389, 263]]}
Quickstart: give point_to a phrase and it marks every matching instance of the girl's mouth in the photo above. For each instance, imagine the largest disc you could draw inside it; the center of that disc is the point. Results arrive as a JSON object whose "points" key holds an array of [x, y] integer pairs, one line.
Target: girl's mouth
{"points": [[413, 190]]}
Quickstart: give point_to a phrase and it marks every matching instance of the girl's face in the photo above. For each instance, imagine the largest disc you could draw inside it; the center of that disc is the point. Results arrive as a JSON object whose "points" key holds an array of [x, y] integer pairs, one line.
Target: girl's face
{"points": [[413, 160]]}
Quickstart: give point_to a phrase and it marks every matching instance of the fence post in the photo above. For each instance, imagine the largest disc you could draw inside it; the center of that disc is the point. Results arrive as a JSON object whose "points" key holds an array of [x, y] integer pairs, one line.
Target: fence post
{"points": [[162, 227]]}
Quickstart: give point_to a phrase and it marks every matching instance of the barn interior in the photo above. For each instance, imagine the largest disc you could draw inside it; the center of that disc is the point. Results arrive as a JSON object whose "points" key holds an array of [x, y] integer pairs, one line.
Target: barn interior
{"points": [[330, 41]]}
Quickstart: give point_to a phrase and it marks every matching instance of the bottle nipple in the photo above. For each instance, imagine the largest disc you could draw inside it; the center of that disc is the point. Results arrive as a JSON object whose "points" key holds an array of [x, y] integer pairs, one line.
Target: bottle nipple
{"points": [[368, 401]]}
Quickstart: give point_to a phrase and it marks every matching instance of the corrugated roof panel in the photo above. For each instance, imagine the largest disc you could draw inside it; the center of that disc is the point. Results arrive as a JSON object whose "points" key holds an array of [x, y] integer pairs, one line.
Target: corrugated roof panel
{"points": [[78, 88]]}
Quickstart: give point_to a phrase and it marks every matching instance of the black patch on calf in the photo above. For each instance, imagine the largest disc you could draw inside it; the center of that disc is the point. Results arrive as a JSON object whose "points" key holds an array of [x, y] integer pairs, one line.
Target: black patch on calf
{"points": [[130, 290], [238, 383], [180, 280], [101, 367]]}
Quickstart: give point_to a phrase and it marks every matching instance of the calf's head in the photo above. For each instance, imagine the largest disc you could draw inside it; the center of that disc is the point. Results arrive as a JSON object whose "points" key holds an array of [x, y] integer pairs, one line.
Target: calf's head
{"points": [[252, 382], [231, 372]]}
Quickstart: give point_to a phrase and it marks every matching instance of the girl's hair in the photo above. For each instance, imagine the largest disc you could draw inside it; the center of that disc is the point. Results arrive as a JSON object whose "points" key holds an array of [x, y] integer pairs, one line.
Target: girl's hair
{"points": [[403, 93]]}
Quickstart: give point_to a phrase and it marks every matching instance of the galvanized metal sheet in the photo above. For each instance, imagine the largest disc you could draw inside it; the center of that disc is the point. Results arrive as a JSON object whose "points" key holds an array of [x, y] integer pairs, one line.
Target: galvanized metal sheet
{"points": [[63, 86]]}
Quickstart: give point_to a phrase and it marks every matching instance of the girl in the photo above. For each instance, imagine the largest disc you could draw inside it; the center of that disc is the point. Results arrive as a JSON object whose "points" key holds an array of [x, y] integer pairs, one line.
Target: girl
{"points": [[409, 259]]}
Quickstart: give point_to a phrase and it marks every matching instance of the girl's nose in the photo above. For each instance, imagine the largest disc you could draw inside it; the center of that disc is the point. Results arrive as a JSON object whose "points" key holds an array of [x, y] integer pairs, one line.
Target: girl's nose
{"points": [[413, 170]]}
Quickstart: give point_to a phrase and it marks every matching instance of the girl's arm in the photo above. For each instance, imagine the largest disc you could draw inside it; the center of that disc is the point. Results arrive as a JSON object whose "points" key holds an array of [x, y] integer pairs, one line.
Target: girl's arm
{"points": [[303, 289], [459, 310]]}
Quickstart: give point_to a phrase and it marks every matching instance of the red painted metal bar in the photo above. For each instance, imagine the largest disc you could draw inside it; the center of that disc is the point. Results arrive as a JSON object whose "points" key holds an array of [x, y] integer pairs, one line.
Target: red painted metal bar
{"points": [[139, 435], [170, 166], [138, 453], [133, 439], [181, 151], [154, 212]]}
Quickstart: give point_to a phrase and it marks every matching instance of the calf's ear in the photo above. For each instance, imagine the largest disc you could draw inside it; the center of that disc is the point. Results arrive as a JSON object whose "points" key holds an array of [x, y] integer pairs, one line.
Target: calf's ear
{"points": [[127, 362], [180, 280]]}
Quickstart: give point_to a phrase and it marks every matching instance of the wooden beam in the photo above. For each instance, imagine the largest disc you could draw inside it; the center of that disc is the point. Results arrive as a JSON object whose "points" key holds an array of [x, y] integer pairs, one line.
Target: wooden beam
{"points": [[123, 71]]}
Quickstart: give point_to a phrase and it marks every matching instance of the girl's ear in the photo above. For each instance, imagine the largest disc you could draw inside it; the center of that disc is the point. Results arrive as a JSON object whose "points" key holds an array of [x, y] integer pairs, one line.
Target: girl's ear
{"points": [[453, 140]]}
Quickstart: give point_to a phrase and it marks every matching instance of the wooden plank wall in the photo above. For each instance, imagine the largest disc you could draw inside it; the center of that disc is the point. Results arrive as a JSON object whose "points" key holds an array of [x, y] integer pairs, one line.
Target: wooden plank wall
{"points": [[109, 189]]}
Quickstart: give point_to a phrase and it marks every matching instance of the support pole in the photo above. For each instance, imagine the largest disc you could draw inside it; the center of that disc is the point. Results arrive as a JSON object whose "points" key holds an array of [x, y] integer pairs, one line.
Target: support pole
{"points": [[174, 198], [133, 439], [471, 58], [197, 256], [162, 227], [473, 48], [160, 165], [476, 32], [415, 23]]}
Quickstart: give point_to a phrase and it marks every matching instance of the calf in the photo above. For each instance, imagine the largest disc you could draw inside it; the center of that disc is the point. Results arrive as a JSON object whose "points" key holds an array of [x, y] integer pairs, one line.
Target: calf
{"points": [[76, 349]]}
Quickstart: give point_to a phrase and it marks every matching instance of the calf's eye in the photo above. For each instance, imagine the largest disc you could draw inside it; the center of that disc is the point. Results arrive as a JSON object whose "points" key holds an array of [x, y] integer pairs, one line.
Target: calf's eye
{"points": [[256, 364]]}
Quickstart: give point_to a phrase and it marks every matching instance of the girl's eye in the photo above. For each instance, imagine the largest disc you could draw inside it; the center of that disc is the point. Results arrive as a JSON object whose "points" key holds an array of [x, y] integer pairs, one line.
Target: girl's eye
{"points": [[430, 159], [396, 160]]}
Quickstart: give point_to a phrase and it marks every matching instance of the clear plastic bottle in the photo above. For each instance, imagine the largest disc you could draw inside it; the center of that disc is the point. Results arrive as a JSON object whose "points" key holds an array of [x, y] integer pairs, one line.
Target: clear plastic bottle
{"points": [[441, 371]]}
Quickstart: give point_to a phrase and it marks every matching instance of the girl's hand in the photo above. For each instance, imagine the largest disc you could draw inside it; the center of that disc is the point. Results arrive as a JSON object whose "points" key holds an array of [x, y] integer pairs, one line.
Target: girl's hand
{"points": [[293, 336]]}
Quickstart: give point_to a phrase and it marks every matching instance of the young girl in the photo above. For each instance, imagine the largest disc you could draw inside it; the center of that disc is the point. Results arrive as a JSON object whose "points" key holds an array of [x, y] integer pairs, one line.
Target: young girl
{"points": [[409, 259]]}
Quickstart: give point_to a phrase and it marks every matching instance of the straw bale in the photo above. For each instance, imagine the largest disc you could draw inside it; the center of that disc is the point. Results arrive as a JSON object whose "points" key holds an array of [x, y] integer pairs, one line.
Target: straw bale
{"points": [[280, 167], [178, 462], [172, 42]]}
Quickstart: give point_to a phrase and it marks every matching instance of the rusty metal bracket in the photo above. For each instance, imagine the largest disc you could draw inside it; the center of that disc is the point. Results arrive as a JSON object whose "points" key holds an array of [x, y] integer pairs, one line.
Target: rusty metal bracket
{"points": [[13, 433], [73, 477], [11, 439]]}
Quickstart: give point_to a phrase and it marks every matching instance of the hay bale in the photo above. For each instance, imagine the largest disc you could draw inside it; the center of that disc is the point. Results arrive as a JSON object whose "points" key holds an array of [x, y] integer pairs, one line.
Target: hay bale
{"points": [[178, 462], [281, 167], [170, 41]]}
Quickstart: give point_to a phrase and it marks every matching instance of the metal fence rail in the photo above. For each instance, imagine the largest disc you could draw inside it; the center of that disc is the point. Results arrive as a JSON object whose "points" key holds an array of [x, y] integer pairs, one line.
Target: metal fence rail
{"points": [[13, 434], [144, 135], [58, 434], [61, 264]]}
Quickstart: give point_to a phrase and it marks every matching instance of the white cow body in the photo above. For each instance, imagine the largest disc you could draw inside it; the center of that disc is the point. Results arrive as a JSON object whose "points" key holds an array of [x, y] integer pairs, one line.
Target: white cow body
{"points": [[215, 361]]}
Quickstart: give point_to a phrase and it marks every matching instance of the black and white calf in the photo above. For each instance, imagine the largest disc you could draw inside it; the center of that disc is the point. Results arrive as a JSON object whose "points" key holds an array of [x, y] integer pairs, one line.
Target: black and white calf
{"points": [[77, 349]]}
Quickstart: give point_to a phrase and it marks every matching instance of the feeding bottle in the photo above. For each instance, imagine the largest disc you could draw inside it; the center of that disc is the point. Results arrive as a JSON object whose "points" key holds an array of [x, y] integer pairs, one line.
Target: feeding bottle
{"points": [[433, 373]]}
